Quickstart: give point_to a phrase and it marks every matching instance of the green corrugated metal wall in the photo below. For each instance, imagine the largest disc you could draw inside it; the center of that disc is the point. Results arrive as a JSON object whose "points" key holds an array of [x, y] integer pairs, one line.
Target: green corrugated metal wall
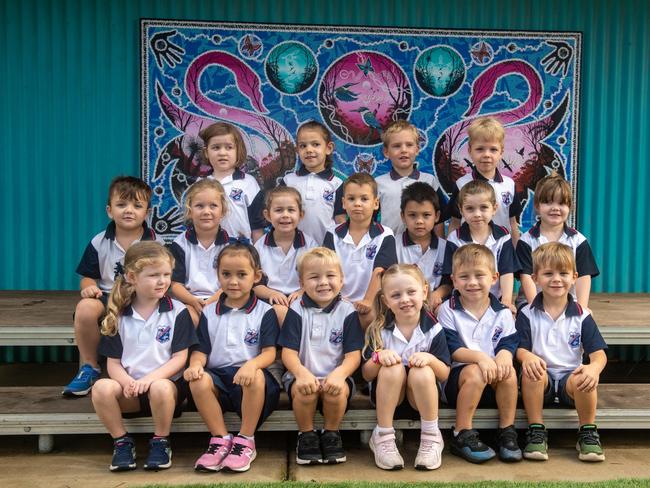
{"points": [[69, 109]]}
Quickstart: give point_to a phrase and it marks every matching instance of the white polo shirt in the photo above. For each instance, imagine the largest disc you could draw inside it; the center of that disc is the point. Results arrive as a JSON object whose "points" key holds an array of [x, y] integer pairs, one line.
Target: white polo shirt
{"points": [[376, 249], [499, 242], [231, 336], [489, 334], [245, 204], [504, 188], [280, 268], [318, 191], [427, 337], [103, 258], [389, 189], [563, 343], [196, 266], [142, 346], [435, 262], [322, 336]]}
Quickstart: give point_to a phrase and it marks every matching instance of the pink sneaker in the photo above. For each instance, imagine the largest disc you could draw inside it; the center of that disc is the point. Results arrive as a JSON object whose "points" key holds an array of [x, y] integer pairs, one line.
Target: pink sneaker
{"points": [[217, 451], [242, 454]]}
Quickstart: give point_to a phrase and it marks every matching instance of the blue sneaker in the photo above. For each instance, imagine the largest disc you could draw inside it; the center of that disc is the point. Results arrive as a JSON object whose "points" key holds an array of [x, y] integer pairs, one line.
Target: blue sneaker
{"points": [[123, 454], [160, 454], [83, 382], [509, 450], [468, 446]]}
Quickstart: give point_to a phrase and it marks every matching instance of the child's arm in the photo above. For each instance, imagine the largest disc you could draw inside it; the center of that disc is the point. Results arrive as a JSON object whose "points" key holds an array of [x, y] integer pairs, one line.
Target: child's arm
{"points": [[89, 288], [181, 293], [385, 357], [454, 224], [271, 296], [117, 372], [532, 366], [514, 230], [256, 234], [528, 287], [423, 359], [503, 360], [506, 283], [246, 373], [306, 382], [194, 371], [167, 370], [583, 289], [295, 295], [437, 296], [589, 374], [487, 365], [364, 305], [334, 381]]}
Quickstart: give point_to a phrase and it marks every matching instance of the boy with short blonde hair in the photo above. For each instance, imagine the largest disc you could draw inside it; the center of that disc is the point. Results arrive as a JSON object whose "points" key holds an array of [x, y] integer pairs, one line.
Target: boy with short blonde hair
{"points": [[555, 334]]}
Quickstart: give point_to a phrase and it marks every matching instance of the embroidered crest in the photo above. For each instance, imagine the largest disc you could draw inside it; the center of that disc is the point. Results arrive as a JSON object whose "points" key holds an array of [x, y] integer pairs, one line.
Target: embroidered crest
{"points": [[437, 268], [235, 194], [498, 330], [252, 337], [371, 251], [336, 336], [506, 198], [328, 195], [163, 333], [574, 339]]}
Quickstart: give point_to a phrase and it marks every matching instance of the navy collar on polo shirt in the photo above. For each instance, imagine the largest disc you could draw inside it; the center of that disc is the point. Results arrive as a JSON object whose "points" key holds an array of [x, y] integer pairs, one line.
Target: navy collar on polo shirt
{"points": [[414, 175], [427, 321], [298, 239], [466, 235], [326, 174], [221, 238], [455, 304], [536, 230], [238, 174], [407, 241], [573, 308], [374, 230], [221, 307], [306, 301], [164, 305], [147, 233], [478, 176]]}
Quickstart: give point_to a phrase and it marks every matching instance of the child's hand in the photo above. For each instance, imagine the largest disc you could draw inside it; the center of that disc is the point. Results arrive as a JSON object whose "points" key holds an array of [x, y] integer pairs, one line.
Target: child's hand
{"points": [[245, 375], [587, 377], [197, 304], [295, 296], [389, 358], [127, 388], [420, 359], [362, 306], [213, 298], [504, 366], [334, 383], [92, 291], [489, 369], [434, 301], [193, 373], [141, 386], [533, 367], [307, 383], [278, 298]]}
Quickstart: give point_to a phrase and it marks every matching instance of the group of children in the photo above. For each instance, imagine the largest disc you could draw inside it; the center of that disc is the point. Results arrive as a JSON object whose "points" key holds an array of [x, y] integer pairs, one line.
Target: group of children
{"points": [[424, 318]]}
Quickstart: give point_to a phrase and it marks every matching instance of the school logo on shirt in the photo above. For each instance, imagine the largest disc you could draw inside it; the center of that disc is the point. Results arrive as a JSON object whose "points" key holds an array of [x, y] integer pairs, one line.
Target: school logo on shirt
{"points": [[336, 336], [498, 330], [437, 268], [506, 198], [371, 251], [118, 270], [328, 195], [163, 333], [235, 194], [252, 337], [574, 339]]}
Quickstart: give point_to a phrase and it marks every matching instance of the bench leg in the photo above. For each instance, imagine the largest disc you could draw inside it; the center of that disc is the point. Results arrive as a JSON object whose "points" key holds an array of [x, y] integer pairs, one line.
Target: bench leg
{"points": [[45, 443], [364, 436], [399, 437]]}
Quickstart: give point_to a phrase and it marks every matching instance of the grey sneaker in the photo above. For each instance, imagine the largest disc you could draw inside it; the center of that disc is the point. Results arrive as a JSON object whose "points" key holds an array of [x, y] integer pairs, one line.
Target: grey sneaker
{"points": [[385, 450], [429, 454]]}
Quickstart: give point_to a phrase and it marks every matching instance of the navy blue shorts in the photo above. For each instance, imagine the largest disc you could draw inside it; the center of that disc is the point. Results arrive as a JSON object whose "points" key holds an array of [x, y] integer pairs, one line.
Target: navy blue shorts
{"points": [[348, 380], [488, 398], [230, 395], [556, 394]]}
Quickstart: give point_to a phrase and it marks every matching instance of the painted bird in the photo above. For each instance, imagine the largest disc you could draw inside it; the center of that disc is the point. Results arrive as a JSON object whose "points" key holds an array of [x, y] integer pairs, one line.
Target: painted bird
{"points": [[344, 94], [506, 165], [370, 118]]}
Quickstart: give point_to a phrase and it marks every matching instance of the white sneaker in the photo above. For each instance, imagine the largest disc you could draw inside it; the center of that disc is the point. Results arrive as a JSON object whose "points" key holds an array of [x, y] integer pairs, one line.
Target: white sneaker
{"points": [[385, 450], [430, 452]]}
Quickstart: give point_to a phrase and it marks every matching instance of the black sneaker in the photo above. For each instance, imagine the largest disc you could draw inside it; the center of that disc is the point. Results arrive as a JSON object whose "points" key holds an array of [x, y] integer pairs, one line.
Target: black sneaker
{"points": [[468, 446], [308, 448], [123, 454], [509, 451], [160, 454], [331, 446]]}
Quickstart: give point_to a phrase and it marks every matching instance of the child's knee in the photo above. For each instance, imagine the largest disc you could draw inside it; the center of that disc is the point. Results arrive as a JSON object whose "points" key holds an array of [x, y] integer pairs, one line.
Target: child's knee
{"points": [[105, 388], [89, 309], [202, 385], [161, 390], [422, 377], [392, 374], [472, 377], [259, 381], [302, 398]]}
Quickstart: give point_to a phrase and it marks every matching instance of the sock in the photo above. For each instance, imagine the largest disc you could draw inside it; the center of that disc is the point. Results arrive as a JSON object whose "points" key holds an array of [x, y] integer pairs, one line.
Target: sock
{"points": [[121, 438], [156, 436], [384, 430], [306, 431], [537, 426], [455, 432], [227, 436], [250, 438], [588, 427], [428, 426]]}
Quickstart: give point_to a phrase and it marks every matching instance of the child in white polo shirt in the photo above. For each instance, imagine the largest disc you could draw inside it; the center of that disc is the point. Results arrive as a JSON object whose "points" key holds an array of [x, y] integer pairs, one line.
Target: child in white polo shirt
{"points": [[321, 341], [145, 337], [556, 333], [365, 247], [315, 179], [401, 146], [478, 205], [419, 244], [405, 355], [194, 281], [482, 340], [228, 371], [282, 246], [552, 203]]}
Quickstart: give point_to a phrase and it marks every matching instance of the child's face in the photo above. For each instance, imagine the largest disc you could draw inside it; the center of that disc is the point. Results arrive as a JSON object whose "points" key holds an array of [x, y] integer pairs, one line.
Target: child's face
{"points": [[322, 282], [222, 153], [420, 218], [152, 282], [313, 149], [402, 149], [478, 210], [473, 282], [553, 213], [555, 283], [485, 156], [404, 295], [127, 214], [284, 213], [359, 202], [206, 210], [237, 276]]}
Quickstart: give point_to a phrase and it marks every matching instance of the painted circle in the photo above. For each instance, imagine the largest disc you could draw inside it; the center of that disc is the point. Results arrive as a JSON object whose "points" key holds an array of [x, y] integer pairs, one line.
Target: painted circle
{"points": [[439, 71], [291, 67]]}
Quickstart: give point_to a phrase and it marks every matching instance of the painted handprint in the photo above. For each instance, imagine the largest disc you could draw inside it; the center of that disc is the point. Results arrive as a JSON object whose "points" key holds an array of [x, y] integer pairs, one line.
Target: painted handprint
{"points": [[165, 50], [559, 59]]}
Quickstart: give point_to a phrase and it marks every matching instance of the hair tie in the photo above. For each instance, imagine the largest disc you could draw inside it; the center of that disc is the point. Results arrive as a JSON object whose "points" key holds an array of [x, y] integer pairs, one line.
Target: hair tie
{"points": [[240, 240]]}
